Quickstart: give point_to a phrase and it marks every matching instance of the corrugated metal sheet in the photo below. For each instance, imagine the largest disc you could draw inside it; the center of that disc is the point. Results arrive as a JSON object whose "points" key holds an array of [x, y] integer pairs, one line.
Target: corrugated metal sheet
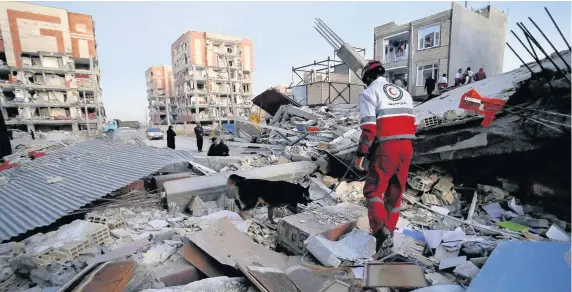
{"points": [[90, 170]]}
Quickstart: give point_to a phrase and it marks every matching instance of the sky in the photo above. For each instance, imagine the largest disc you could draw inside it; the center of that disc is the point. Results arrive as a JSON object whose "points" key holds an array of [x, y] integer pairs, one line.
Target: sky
{"points": [[133, 36]]}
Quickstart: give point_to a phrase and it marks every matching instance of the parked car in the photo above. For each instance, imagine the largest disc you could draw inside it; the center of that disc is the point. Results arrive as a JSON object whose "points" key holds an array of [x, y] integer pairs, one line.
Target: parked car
{"points": [[154, 133]]}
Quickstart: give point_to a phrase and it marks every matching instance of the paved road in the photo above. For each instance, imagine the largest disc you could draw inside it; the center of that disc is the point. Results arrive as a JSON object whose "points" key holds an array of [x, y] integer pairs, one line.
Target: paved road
{"points": [[189, 144]]}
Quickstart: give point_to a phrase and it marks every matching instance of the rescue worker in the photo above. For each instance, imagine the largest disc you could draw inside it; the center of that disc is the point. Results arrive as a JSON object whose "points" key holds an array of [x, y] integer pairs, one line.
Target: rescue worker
{"points": [[388, 126]]}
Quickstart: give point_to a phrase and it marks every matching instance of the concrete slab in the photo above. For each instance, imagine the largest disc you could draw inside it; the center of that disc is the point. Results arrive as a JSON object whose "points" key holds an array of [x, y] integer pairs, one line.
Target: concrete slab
{"points": [[394, 275], [332, 222], [228, 245], [180, 192]]}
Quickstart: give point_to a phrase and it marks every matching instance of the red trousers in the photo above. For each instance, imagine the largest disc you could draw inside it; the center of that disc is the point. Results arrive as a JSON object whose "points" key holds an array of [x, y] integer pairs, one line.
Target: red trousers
{"points": [[386, 181]]}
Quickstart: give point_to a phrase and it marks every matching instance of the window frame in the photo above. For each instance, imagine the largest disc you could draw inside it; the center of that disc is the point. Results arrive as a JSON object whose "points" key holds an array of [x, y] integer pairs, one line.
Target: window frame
{"points": [[421, 69], [436, 41]]}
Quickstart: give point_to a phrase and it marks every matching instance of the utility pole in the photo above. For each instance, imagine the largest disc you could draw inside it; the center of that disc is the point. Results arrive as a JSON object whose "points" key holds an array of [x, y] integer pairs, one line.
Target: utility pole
{"points": [[146, 118]]}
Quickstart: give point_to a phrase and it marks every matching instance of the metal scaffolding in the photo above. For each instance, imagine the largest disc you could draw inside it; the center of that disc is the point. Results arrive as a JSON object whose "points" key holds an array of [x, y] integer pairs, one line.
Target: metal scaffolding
{"points": [[338, 90]]}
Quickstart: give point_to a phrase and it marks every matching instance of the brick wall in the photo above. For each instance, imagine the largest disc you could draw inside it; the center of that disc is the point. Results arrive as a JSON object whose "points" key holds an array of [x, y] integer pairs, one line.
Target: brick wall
{"points": [[438, 55]]}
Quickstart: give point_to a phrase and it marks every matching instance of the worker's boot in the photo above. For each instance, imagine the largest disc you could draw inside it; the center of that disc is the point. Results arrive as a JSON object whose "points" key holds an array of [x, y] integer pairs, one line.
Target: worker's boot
{"points": [[384, 243]]}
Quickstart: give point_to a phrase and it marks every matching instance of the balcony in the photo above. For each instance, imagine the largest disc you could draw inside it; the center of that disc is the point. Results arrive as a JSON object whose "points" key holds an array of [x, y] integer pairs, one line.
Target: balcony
{"points": [[393, 57]]}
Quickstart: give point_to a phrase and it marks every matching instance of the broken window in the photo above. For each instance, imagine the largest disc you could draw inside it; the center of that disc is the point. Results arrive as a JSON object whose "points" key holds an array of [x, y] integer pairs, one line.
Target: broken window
{"points": [[200, 86], [228, 49], [4, 76], [424, 72], [81, 64], [12, 112], [9, 95], [245, 88], [429, 36]]}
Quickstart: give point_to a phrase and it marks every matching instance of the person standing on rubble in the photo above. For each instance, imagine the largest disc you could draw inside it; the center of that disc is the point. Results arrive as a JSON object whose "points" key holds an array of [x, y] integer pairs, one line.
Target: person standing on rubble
{"points": [[199, 134], [171, 138], [388, 125]]}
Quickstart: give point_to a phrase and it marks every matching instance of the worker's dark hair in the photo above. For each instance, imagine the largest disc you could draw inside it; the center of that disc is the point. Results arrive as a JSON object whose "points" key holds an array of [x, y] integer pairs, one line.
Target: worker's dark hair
{"points": [[468, 68], [444, 75]]}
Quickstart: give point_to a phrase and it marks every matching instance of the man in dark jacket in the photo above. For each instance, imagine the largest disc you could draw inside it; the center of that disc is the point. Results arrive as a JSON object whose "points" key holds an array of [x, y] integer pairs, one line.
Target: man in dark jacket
{"points": [[199, 134], [212, 149], [429, 86], [222, 149], [171, 138]]}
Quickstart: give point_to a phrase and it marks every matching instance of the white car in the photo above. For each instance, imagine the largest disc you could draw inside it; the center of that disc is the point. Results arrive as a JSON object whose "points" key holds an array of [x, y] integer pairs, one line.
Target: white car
{"points": [[154, 133]]}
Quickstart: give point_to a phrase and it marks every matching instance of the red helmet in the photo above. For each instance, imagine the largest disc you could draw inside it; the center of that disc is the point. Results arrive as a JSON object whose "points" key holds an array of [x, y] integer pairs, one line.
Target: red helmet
{"points": [[371, 66]]}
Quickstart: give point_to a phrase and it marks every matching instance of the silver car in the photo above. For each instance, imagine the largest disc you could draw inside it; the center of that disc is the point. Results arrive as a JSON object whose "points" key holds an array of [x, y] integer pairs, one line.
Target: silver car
{"points": [[154, 133]]}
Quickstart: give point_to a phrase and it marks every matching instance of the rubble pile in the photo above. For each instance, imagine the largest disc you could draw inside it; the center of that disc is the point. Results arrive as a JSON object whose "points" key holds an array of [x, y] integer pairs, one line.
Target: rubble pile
{"points": [[252, 161]]}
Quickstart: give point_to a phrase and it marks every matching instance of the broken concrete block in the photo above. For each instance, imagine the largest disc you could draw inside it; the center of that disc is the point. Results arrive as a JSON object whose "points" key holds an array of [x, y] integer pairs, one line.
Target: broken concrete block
{"points": [[23, 264], [158, 254], [120, 232], [556, 233], [197, 207], [356, 246], [330, 221], [386, 275], [420, 183], [538, 223], [443, 189], [158, 224], [429, 199], [165, 234], [467, 270], [437, 279], [479, 262], [451, 262]]}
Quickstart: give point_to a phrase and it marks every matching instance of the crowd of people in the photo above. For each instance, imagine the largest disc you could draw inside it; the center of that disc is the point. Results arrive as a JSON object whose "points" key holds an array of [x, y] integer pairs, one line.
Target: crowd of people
{"points": [[461, 78]]}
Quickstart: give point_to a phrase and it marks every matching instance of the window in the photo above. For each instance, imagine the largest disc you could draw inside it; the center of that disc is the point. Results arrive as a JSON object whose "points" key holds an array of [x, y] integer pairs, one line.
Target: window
{"points": [[228, 49], [423, 72], [429, 36]]}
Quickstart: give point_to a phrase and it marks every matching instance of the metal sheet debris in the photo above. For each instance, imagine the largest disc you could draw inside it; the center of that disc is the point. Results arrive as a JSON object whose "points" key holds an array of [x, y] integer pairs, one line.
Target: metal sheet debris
{"points": [[108, 165]]}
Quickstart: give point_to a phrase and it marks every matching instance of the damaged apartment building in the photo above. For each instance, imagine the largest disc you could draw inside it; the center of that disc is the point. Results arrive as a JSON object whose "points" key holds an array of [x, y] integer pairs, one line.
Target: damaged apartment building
{"points": [[162, 105], [49, 75], [212, 77], [441, 44]]}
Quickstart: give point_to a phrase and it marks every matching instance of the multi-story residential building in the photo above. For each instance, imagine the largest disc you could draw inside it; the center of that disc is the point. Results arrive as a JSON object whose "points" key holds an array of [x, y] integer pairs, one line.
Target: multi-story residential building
{"points": [[441, 44], [49, 75], [212, 77], [160, 95]]}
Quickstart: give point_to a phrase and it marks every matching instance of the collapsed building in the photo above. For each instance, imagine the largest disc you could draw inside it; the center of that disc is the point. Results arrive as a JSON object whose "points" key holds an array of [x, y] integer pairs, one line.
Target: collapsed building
{"points": [[160, 220], [212, 77], [49, 77]]}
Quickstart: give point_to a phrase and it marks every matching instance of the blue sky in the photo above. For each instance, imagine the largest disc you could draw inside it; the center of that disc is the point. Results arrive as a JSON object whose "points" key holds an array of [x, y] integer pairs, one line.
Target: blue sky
{"points": [[133, 36]]}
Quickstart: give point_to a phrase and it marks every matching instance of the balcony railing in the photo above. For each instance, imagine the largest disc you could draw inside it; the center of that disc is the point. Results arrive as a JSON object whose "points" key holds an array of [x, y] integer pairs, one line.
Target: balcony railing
{"points": [[396, 57]]}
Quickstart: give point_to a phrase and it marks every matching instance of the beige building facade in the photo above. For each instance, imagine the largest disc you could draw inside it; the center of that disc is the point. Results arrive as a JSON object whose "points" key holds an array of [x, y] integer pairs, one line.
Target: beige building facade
{"points": [[212, 77], [159, 80], [49, 73]]}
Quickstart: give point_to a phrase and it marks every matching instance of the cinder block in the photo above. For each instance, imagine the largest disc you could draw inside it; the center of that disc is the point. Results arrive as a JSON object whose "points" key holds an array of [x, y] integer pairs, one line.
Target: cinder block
{"points": [[332, 222]]}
